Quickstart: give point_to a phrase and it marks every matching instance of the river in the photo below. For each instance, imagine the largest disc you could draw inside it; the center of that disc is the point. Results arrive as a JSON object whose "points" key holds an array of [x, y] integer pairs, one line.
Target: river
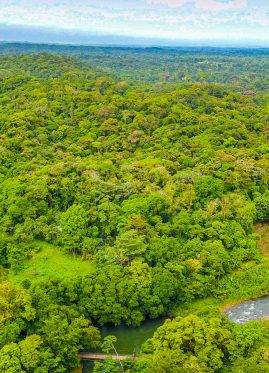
{"points": [[249, 311], [129, 338]]}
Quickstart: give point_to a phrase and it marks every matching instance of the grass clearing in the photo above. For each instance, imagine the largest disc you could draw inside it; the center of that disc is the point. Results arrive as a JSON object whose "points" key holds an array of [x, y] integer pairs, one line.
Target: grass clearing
{"points": [[51, 263]]}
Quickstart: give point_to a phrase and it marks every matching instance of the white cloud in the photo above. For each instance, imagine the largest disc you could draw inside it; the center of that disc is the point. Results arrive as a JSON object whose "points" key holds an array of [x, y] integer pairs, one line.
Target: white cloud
{"points": [[256, 16], [201, 18], [208, 5]]}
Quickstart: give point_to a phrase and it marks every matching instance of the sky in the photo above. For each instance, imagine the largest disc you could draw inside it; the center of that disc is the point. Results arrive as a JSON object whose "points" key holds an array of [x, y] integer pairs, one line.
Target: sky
{"points": [[160, 19]]}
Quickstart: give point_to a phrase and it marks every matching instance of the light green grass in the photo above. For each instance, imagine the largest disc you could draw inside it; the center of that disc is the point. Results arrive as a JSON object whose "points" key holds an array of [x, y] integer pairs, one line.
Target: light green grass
{"points": [[51, 263]]}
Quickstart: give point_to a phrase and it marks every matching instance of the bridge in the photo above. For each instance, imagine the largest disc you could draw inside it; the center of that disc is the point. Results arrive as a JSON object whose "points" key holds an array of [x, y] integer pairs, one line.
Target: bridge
{"points": [[90, 356]]}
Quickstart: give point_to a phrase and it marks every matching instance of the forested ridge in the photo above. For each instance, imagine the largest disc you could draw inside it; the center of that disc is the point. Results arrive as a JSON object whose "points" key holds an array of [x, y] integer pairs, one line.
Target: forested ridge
{"points": [[149, 193], [243, 69]]}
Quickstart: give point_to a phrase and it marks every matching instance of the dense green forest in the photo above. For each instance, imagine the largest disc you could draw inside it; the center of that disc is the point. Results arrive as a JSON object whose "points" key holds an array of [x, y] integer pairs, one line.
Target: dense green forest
{"points": [[132, 193], [242, 69]]}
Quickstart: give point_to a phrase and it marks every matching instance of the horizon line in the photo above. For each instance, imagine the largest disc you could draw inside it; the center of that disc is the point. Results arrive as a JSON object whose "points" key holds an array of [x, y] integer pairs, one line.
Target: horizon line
{"points": [[224, 44], [61, 36]]}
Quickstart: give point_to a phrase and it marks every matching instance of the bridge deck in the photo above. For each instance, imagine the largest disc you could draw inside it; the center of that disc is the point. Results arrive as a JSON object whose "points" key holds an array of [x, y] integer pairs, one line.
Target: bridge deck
{"points": [[90, 356]]}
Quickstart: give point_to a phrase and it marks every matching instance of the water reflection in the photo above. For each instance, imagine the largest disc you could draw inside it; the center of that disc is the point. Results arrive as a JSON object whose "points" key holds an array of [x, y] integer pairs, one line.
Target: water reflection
{"points": [[129, 339]]}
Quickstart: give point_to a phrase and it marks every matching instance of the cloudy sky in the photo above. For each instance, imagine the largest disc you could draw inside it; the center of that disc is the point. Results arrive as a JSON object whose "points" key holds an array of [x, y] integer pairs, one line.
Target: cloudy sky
{"points": [[171, 19]]}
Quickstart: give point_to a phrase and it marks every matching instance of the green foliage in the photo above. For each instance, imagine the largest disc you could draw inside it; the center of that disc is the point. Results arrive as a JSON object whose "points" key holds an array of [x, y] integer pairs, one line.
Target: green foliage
{"points": [[205, 345], [29, 355], [262, 206], [15, 312], [154, 189], [55, 333], [128, 366], [10, 358], [108, 343], [244, 69], [128, 246], [73, 228], [251, 282]]}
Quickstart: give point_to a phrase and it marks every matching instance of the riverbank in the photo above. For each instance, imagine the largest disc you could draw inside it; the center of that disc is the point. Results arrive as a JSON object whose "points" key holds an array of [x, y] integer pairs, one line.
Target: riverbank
{"points": [[250, 282], [254, 309]]}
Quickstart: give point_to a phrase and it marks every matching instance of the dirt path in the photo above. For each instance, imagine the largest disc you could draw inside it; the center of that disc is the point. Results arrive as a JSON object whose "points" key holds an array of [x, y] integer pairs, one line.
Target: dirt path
{"points": [[263, 230]]}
